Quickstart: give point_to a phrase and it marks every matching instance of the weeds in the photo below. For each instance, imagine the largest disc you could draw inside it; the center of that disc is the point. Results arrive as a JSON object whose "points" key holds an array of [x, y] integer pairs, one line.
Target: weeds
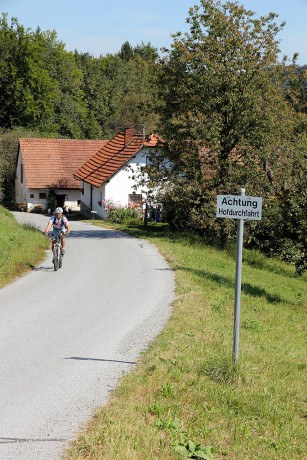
{"points": [[155, 409], [220, 370], [169, 424], [190, 449], [251, 325], [167, 390]]}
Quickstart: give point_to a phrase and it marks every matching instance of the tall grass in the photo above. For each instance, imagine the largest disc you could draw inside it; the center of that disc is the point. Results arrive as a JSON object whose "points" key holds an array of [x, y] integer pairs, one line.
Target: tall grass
{"points": [[185, 399], [21, 247]]}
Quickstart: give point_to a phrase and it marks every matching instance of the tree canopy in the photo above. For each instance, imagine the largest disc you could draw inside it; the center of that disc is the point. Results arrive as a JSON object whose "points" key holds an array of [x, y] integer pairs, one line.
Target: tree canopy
{"points": [[51, 92], [45, 87], [229, 116]]}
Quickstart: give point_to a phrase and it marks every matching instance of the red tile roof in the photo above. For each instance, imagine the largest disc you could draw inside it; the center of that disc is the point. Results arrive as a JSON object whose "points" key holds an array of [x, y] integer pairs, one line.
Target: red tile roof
{"points": [[50, 163], [113, 156]]}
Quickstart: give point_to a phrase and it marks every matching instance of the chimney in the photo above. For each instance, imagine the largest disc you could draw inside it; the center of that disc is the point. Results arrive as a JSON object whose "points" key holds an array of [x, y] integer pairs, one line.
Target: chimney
{"points": [[143, 132], [128, 136]]}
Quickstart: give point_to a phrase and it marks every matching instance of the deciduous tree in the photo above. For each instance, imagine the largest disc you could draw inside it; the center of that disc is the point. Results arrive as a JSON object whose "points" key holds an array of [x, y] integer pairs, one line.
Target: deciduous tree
{"points": [[225, 116]]}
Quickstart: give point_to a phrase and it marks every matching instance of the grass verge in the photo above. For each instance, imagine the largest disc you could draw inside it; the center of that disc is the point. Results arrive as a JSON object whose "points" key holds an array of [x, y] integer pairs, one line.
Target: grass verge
{"points": [[185, 399], [22, 247]]}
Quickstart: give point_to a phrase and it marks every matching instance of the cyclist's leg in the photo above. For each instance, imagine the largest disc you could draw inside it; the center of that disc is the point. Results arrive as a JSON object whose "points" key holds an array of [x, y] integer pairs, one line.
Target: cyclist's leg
{"points": [[52, 240], [55, 233], [63, 241]]}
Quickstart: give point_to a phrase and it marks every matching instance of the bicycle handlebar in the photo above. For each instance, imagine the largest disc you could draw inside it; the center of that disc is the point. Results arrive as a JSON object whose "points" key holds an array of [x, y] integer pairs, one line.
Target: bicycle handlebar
{"points": [[52, 236]]}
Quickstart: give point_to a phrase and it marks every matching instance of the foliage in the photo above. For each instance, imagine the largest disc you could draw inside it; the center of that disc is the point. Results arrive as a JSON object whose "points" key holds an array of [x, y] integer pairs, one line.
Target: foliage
{"points": [[296, 87], [147, 52], [40, 82], [295, 224], [45, 87], [190, 449], [52, 200], [120, 89], [126, 51], [231, 120], [8, 157], [117, 213]]}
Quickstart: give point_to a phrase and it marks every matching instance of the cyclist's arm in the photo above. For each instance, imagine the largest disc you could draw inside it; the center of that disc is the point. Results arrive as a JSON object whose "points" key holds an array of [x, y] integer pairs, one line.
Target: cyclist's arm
{"points": [[48, 227], [67, 225]]}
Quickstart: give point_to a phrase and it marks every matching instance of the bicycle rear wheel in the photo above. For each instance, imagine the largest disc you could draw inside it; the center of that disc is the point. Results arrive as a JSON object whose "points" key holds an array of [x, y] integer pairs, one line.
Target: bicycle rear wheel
{"points": [[56, 257]]}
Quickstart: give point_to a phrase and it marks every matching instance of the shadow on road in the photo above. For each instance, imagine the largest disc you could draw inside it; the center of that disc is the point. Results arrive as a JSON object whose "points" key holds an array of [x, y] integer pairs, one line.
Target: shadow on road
{"points": [[45, 268], [103, 234]]}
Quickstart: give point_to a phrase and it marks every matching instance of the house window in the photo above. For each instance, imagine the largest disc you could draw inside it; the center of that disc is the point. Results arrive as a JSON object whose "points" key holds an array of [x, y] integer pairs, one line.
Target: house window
{"points": [[21, 173], [31, 195], [42, 196], [135, 200]]}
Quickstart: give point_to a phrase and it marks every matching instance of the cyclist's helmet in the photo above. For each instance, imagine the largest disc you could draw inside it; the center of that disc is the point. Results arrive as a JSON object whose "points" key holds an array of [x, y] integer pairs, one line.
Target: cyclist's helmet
{"points": [[58, 211]]}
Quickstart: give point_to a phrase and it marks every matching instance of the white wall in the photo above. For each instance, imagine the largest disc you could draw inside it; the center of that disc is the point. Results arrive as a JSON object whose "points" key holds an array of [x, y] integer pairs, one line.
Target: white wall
{"points": [[98, 194], [117, 189], [85, 195], [121, 185], [91, 204], [30, 197], [71, 200], [20, 188]]}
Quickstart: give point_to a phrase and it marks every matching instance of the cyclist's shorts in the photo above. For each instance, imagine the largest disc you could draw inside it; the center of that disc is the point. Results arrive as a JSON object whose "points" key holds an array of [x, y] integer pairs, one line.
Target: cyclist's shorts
{"points": [[56, 231]]}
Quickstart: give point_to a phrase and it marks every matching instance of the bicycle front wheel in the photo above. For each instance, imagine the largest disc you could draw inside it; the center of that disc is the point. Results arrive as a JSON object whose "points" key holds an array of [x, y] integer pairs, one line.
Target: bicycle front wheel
{"points": [[56, 257]]}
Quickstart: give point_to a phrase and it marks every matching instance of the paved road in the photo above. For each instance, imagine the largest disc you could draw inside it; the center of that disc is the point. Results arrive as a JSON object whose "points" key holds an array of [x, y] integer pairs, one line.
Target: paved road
{"points": [[67, 336]]}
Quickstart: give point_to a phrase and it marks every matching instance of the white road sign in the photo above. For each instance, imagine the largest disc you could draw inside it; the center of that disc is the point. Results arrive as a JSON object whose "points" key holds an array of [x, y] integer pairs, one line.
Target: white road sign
{"points": [[239, 207]]}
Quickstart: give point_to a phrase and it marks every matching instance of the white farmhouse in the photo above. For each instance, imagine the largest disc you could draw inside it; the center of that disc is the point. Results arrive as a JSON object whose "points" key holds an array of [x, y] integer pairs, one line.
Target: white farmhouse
{"points": [[107, 175], [46, 166]]}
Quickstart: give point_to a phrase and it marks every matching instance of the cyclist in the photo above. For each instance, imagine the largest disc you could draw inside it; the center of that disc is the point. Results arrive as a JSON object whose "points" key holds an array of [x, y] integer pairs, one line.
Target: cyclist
{"points": [[61, 227]]}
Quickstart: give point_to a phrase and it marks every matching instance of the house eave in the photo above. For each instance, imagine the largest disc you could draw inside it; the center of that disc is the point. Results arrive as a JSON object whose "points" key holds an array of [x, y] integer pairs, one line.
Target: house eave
{"points": [[111, 175]]}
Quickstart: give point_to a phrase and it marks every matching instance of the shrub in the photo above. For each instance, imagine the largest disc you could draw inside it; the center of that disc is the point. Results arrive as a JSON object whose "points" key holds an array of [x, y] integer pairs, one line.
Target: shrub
{"points": [[118, 214]]}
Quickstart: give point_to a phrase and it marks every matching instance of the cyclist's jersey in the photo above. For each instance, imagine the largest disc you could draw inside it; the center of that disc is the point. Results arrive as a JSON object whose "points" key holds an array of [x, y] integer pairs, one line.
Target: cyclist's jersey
{"points": [[59, 224]]}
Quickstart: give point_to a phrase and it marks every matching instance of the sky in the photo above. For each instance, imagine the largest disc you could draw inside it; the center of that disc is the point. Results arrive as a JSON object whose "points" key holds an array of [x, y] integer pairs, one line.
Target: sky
{"points": [[99, 27]]}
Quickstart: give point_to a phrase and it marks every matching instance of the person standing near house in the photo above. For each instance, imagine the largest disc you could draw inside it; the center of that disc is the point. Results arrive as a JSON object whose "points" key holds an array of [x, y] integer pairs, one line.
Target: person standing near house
{"points": [[60, 225], [157, 216]]}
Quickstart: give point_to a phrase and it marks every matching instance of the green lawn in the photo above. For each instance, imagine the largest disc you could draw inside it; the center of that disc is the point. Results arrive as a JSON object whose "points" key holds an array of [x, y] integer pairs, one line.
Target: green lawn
{"points": [[185, 399], [22, 247]]}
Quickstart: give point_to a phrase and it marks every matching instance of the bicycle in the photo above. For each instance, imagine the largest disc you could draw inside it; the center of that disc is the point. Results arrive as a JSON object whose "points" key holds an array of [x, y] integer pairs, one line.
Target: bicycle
{"points": [[57, 251]]}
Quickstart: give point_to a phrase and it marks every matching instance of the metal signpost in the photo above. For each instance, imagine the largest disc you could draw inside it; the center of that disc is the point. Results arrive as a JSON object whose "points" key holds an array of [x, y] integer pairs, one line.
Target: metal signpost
{"points": [[239, 207]]}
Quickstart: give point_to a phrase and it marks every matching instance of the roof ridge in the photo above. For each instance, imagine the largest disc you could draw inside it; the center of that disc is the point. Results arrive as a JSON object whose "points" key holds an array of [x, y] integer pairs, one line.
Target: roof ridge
{"points": [[111, 157], [46, 139]]}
